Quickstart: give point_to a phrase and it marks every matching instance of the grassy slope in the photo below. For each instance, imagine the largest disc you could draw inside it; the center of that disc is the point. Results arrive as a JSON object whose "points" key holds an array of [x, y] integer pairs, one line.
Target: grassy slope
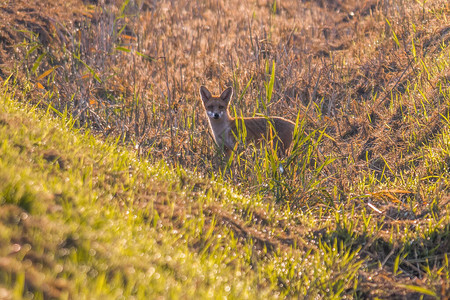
{"points": [[70, 222], [87, 218], [94, 218]]}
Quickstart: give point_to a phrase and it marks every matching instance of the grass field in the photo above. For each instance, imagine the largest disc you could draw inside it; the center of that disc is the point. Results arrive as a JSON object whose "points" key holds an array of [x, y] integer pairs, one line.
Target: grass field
{"points": [[111, 185]]}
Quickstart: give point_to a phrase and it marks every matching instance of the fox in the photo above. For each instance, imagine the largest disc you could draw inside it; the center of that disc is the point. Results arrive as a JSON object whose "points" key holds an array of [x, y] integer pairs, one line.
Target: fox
{"points": [[275, 130]]}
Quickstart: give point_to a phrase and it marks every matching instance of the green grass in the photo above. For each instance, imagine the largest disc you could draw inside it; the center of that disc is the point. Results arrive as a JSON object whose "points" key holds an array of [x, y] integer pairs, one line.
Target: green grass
{"points": [[78, 218], [359, 209], [85, 218]]}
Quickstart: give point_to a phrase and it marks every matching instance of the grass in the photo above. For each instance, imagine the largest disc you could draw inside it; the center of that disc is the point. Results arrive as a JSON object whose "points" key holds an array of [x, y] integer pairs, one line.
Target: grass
{"points": [[62, 236], [118, 188], [83, 218]]}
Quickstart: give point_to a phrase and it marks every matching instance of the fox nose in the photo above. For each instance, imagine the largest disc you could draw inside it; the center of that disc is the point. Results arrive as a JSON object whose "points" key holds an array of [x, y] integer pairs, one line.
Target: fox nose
{"points": [[216, 116]]}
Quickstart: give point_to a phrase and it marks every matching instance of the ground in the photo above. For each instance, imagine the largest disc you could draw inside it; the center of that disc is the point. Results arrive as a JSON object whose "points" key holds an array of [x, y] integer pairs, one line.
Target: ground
{"points": [[369, 82]]}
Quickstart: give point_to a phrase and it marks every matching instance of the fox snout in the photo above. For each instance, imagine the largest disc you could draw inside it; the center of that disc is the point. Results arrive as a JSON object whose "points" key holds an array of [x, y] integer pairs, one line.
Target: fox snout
{"points": [[214, 115]]}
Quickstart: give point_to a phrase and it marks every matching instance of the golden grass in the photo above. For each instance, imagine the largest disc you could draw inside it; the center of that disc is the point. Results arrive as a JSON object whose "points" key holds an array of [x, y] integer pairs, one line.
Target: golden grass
{"points": [[368, 79]]}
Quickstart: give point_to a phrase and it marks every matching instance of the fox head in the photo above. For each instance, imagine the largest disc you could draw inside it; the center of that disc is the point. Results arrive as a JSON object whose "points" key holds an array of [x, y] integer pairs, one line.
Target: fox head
{"points": [[216, 106]]}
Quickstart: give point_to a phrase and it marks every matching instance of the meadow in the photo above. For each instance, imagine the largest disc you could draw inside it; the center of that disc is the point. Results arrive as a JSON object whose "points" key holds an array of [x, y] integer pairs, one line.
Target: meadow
{"points": [[111, 185]]}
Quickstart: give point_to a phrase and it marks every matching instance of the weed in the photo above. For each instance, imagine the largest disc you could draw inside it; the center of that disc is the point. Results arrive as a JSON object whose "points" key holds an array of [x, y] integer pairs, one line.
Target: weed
{"points": [[360, 202]]}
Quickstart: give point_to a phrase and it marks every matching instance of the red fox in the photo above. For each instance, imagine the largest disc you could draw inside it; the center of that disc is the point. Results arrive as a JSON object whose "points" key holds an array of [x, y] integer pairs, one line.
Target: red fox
{"points": [[275, 130]]}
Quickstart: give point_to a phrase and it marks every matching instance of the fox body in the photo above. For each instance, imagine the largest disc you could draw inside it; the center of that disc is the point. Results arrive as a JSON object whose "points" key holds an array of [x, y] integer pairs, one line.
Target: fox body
{"points": [[275, 130]]}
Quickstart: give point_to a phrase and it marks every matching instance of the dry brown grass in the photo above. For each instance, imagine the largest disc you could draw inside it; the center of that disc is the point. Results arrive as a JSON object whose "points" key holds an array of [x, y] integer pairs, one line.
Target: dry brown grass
{"points": [[337, 64]]}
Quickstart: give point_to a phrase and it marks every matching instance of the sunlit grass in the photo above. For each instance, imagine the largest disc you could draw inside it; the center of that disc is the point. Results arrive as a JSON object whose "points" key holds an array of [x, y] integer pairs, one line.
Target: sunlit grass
{"points": [[123, 194]]}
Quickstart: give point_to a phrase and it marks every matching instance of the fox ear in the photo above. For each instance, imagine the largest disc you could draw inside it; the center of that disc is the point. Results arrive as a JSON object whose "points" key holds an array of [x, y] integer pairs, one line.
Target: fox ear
{"points": [[226, 95], [205, 94]]}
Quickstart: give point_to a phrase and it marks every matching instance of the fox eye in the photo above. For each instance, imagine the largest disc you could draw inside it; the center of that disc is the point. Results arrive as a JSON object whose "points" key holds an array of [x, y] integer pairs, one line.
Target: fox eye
{"points": [[210, 107], [221, 107]]}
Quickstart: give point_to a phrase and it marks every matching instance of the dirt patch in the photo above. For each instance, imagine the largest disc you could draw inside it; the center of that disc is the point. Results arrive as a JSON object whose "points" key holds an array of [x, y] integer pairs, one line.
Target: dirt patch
{"points": [[52, 156], [20, 19], [24, 258]]}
